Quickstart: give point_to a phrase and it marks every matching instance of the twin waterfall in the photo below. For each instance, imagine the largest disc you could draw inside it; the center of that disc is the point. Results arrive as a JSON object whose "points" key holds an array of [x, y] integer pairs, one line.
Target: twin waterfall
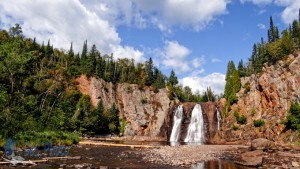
{"points": [[194, 129], [177, 124]]}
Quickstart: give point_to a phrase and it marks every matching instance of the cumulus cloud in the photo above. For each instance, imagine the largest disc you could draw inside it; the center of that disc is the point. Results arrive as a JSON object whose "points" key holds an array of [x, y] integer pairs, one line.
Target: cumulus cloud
{"points": [[258, 2], [175, 56], [261, 26], [63, 22], [215, 60], [290, 13], [163, 14], [215, 80]]}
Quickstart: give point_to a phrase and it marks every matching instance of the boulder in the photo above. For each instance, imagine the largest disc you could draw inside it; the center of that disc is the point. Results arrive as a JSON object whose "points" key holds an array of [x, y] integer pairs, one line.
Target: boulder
{"points": [[251, 159], [261, 144]]}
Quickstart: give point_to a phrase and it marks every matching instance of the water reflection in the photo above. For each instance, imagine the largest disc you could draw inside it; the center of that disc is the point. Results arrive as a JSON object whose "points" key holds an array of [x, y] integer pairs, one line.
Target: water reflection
{"points": [[218, 164], [198, 166]]}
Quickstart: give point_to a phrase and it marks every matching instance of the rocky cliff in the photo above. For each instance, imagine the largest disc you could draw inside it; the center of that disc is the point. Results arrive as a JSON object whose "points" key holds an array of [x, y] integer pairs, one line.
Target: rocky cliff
{"points": [[149, 115], [266, 96], [143, 109]]}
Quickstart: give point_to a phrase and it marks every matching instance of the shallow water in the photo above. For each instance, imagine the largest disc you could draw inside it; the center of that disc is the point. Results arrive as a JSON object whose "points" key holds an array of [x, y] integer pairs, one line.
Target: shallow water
{"points": [[118, 157]]}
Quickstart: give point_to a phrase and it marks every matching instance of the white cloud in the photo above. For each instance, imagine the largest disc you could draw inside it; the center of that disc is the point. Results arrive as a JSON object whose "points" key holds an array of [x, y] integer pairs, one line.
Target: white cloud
{"points": [[215, 60], [198, 62], [258, 2], [261, 26], [291, 11], [64, 22], [163, 14], [175, 56], [215, 80]]}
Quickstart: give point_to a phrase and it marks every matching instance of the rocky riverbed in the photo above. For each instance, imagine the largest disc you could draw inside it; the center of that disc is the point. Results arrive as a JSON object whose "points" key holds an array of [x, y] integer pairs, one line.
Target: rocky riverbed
{"points": [[96, 154], [187, 155]]}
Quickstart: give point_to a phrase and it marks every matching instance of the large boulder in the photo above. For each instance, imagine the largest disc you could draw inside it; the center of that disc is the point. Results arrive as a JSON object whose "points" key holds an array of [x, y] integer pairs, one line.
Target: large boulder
{"points": [[261, 144], [251, 159]]}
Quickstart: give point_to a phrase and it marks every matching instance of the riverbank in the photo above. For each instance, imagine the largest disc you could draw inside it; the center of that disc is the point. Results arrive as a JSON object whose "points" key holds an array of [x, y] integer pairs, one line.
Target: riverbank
{"points": [[187, 155]]}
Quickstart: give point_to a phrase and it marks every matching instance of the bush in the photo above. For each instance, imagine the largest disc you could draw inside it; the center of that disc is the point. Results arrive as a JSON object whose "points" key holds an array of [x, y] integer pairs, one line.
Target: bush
{"points": [[32, 138], [144, 100], [292, 121], [247, 88], [258, 123], [122, 126], [240, 119], [234, 127]]}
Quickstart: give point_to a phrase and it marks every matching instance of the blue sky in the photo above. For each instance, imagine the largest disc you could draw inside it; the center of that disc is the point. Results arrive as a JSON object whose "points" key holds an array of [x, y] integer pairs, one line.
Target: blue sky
{"points": [[195, 38]]}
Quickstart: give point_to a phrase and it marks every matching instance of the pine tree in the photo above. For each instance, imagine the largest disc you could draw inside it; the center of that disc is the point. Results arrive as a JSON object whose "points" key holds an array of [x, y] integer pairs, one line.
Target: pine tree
{"points": [[149, 73], [71, 52], [241, 68], [233, 83], [172, 81], [273, 33], [84, 50]]}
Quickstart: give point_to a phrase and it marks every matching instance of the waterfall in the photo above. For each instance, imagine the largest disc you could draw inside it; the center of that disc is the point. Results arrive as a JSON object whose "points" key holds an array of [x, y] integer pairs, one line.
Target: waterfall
{"points": [[196, 126], [176, 124], [218, 118]]}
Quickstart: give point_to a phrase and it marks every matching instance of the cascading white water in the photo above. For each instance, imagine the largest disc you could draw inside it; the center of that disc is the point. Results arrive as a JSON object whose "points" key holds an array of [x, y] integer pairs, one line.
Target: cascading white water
{"points": [[196, 126], [219, 118], [176, 124]]}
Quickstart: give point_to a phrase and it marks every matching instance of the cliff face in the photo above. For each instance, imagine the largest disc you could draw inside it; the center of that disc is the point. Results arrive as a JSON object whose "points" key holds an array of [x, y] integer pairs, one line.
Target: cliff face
{"points": [[144, 110], [266, 96]]}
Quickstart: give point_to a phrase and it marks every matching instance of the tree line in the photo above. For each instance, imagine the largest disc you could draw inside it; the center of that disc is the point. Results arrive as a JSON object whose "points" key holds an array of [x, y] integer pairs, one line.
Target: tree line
{"points": [[277, 47], [38, 91]]}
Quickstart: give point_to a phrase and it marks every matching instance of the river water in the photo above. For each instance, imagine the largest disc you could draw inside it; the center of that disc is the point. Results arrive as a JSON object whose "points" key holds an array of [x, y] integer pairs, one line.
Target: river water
{"points": [[105, 157]]}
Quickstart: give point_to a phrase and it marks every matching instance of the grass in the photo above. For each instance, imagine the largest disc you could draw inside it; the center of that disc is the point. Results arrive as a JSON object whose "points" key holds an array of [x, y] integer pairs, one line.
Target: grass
{"points": [[32, 138], [258, 123]]}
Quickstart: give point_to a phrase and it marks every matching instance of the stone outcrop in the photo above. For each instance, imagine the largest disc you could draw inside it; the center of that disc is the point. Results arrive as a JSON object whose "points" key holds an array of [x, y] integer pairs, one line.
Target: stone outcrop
{"points": [[261, 144], [265, 96], [143, 109]]}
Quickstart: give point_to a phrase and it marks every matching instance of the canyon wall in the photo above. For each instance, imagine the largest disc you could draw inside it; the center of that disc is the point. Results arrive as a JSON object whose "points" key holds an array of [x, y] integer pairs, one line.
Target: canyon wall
{"points": [[143, 109], [149, 114], [266, 96]]}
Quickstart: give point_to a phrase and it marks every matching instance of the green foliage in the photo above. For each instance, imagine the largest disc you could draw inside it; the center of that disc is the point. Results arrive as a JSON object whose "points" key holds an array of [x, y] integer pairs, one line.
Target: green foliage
{"points": [[240, 119], [40, 138], [122, 126], [253, 112], [172, 81], [246, 87], [233, 83], [258, 123], [144, 100], [209, 95], [234, 127], [292, 121]]}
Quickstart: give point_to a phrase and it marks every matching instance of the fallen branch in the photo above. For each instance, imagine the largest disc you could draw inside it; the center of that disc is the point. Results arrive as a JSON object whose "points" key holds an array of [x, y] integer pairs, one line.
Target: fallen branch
{"points": [[16, 162], [63, 158]]}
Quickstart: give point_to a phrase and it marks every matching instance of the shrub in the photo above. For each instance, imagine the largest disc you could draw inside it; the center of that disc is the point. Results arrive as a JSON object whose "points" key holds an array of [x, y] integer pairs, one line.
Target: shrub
{"points": [[240, 119], [292, 121], [144, 100], [234, 127], [122, 126], [258, 123], [247, 88], [253, 112]]}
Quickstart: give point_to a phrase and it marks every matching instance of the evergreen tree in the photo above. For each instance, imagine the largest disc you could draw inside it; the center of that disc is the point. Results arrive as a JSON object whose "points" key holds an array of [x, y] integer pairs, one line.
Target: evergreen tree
{"points": [[233, 83], [241, 68], [149, 71], [172, 81], [71, 52]]}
